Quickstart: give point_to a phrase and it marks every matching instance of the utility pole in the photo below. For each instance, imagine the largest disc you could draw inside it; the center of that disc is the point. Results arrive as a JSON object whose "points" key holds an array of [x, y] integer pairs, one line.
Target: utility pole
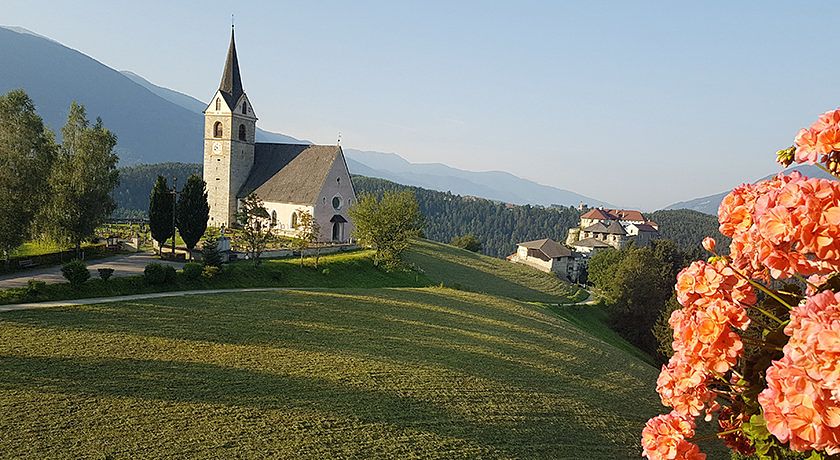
{"points": [[174, 210]]}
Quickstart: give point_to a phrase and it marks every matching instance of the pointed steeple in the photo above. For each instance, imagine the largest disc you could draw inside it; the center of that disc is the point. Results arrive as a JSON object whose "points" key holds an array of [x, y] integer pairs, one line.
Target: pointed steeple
{"points": [[231, 85]]}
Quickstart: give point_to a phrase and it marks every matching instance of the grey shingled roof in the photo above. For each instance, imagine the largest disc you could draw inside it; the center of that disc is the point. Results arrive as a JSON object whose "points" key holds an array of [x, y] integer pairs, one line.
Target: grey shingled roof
{"points": [[613, 228], [289, 173], [548, 247], [591, 243], [231, 84]]}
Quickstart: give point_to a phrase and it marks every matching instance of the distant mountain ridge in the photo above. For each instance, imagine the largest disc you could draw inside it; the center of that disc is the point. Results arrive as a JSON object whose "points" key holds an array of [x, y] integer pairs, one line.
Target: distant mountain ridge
{"points": [[155, 124], [710, 204]]}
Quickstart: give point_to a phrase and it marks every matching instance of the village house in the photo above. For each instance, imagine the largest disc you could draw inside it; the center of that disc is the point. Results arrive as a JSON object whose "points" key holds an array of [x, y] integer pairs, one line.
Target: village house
{"points": [[546, 255], [616, 228], [291, 179]]}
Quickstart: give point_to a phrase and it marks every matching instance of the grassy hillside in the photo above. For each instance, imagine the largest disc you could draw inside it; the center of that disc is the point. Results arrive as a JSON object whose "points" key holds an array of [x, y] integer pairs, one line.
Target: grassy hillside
{"points": [[406, 372], [467, 270]]}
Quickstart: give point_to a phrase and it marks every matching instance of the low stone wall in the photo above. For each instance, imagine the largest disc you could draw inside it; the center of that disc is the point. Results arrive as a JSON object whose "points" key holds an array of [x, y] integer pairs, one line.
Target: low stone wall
{"points": [[278, 253]]}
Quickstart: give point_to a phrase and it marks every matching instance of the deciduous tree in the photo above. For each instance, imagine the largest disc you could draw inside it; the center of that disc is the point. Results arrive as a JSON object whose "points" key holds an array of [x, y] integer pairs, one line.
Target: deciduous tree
{"points": [[387, 225], [306, 234], [27, 150], [256, 227], [81, 180]]}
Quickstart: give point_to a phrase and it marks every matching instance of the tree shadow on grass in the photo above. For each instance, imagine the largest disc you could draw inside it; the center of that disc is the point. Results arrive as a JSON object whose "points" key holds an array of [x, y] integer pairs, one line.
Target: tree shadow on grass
{"points": [[182, 382]]}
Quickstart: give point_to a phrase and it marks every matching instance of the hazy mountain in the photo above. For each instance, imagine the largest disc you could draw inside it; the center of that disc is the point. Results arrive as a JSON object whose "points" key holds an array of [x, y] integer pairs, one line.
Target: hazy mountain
{"points": [[155, 124], [194, 105], [495, 185], [149, 129], [709, 204]]}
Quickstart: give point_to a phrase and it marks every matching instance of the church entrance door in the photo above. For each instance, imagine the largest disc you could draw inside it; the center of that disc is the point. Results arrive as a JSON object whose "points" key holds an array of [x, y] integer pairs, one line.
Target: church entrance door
{"points": [[337, 231]]}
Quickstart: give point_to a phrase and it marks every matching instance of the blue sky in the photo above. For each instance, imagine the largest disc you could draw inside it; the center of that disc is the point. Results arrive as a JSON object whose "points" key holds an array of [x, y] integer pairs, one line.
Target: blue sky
{"points": [[636, 103]]}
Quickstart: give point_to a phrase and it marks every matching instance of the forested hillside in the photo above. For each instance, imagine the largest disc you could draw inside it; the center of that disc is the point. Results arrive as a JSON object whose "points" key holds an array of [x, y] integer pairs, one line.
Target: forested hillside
{"points": [[498, 226], [687, 228]]}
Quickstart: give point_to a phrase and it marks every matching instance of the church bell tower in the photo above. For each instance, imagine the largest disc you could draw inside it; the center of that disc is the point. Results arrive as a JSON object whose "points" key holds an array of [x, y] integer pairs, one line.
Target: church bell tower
{"points": [[229, 130]]}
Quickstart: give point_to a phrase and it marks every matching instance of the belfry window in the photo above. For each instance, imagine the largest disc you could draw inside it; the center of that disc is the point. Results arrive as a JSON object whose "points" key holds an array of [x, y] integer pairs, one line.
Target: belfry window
{"points": [[217, 129], [243, 134], [218, 104], [245, 108]]}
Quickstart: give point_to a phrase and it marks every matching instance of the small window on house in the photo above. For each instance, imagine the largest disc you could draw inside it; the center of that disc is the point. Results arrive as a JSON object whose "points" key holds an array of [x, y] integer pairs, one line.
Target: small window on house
{"points": [[336, 202], [242, 133], [294, 220], [245, 107], [218, 104], [273, 218], [217, 129], [338, 180]]}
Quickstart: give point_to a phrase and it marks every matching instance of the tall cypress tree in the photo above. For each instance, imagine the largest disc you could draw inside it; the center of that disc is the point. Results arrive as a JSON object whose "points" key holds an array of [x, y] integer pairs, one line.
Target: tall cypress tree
{"points": [[193, 211], [160, 212]]}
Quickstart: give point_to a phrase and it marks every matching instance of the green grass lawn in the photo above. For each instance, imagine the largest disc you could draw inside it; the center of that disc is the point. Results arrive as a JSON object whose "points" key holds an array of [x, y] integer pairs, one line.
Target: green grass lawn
{"points": [[463, 269], [39, 248], [343, 373]]}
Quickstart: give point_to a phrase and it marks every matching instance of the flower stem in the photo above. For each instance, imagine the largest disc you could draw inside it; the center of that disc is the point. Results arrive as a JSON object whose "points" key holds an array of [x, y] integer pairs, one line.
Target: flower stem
{"points": [[804, 280], [763, 289], [820, 165]]}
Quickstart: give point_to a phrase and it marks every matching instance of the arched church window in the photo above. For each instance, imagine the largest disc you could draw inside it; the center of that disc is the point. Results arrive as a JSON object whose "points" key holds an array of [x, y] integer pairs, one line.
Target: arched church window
{"points": [[273, 218], [245, 108], [294, 220], [217, 129], [218, 104], [242, 133]]}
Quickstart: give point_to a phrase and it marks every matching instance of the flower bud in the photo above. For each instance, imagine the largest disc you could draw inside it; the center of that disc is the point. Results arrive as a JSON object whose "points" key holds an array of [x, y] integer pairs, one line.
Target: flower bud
{"points": [[709, 244]]}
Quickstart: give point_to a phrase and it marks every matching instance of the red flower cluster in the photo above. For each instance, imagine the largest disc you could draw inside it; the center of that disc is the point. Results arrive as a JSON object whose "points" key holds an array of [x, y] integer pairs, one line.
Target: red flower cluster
{"points": [[664, 437], [802, 400], [783, 226]]}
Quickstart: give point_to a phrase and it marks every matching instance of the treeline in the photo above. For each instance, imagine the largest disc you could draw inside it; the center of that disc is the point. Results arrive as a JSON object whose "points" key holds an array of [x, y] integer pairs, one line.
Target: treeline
{"points": [[637, 286], [687, 228], [496, 225], [132, 194]]}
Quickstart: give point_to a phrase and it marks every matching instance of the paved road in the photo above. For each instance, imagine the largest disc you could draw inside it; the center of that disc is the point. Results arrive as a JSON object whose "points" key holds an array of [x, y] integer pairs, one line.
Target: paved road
{"points": [[123, 265]]}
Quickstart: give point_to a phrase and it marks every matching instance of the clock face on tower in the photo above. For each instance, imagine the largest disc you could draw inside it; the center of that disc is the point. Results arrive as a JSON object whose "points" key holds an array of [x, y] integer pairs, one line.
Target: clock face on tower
{"points": [[217, 147]]}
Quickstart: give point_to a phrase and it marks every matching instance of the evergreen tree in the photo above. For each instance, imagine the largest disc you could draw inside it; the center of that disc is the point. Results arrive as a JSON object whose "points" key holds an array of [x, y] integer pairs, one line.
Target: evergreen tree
{"points": [[27, 150], [193, 211], [81, 181], [160, 212], [468, 242]]}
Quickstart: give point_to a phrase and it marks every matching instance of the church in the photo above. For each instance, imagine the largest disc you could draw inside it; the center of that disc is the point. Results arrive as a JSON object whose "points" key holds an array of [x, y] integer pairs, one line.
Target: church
{"points": [[289, 178]]}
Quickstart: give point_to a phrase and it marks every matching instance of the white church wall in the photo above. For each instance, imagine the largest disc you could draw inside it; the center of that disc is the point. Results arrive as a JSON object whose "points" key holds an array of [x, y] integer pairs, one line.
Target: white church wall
{"points": [[336, 185], [284, 214]]}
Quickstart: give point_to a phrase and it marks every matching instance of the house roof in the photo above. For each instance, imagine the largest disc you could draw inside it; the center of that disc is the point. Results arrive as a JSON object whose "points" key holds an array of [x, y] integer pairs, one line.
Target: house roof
{"points": [[627, 214], [646, 228], [613, 228], [289, 173], [598, 214], [548, 247], [591, 243], [231, 84]]}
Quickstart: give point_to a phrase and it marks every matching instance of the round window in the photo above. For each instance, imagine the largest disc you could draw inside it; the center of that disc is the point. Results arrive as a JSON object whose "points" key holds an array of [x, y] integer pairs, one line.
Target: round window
{"points": [[336, 202]]}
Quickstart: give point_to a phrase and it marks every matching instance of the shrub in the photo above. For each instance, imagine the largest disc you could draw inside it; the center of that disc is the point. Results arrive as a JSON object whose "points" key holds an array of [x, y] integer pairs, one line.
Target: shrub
{"points": [[33, 288], [192, 271], [105, 273], [76, 272], [154, 274], [210, 252], [169, 274], [210, 271]]}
